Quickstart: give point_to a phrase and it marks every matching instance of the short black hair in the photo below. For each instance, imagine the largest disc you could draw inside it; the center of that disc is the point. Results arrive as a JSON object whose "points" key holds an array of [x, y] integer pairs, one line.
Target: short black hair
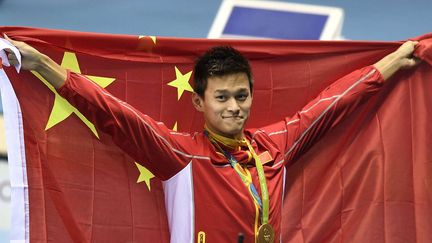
{"points": [[219, 61]]}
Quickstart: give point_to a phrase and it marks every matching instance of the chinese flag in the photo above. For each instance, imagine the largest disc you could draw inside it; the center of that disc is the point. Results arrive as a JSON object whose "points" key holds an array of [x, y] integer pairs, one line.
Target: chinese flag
{"points": [[369, 180]]}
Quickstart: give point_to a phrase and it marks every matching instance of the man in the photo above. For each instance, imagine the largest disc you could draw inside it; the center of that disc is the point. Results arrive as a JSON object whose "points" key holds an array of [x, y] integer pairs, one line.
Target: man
{"points": [[224, 180]]}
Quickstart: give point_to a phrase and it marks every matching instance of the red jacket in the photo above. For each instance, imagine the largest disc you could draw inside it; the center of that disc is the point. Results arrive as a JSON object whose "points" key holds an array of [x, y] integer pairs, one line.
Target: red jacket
{"points": [[202, 192]]}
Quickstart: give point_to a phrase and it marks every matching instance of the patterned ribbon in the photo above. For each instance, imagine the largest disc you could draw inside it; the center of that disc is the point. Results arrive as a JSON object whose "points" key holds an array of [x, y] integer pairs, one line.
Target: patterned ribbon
{"points": [[243, 172]]}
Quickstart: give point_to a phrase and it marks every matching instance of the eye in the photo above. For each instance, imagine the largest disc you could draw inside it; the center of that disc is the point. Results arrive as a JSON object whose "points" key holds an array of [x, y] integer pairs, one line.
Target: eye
{"points": [[242, 97], [221, 98]]}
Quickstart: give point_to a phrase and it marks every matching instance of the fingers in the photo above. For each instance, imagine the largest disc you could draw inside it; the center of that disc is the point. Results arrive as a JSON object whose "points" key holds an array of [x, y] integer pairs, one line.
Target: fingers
{"points": [[13, 60], [406, 51], [411, 62], [7, 38], [410, 43], [11, 56], [411, 59], [18, 44], [7, 50]]}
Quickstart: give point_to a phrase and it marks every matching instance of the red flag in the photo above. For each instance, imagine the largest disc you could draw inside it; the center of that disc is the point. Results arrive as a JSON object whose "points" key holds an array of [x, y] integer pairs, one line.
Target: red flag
{"points": [[367, 180]]}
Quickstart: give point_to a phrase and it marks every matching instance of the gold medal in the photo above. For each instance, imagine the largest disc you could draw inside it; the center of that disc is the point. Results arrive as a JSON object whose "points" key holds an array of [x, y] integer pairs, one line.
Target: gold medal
{"points": [[266, 234]]}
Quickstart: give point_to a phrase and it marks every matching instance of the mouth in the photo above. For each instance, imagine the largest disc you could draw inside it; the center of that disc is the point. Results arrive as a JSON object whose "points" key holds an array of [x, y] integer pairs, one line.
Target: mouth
{"points": [[232, 117]]}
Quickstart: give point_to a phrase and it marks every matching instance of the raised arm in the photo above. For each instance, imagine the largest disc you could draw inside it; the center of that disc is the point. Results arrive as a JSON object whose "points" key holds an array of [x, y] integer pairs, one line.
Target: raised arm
{"points": [[298, 133], [147, 141]]}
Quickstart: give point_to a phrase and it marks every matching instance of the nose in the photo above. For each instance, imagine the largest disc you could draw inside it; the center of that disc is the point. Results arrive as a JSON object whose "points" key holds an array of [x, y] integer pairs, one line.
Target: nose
{"points": [[233, 106]]}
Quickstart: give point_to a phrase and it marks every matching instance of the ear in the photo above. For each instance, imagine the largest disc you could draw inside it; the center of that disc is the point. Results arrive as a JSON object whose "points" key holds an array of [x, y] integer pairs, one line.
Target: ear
{"points": [[198, 102]]}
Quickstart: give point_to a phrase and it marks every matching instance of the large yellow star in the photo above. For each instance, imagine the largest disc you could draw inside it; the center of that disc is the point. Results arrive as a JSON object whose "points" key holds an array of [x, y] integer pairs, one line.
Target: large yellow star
{"points": [[62, 109], [181, 82], [145, 175]]}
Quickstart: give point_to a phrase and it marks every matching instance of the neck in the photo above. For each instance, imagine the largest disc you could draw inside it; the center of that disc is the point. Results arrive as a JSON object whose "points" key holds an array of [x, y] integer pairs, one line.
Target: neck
{"points": [[233, 142]]}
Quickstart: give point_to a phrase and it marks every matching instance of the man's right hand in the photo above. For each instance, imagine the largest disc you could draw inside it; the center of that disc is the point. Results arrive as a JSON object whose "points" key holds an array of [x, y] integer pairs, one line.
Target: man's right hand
{"points": [[30, 57], [33, 60]]}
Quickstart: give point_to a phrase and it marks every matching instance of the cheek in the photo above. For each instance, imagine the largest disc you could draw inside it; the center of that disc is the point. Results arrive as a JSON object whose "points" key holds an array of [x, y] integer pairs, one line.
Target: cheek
{"points": [[247, 106], [213, 112], [215, 108]]}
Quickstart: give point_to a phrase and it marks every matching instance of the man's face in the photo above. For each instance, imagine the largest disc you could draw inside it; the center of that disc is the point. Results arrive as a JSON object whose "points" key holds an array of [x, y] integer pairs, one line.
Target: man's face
{"points": [[226, 104]]}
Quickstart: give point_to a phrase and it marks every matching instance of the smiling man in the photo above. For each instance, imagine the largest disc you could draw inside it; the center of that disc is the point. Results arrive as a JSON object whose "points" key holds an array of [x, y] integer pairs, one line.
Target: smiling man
{"points": [[227, 106], [223, 91], [225, 180]]}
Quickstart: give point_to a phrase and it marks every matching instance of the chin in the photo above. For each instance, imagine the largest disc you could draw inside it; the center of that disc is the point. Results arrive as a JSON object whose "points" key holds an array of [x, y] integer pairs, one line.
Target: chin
{"points": [[234, 132]]}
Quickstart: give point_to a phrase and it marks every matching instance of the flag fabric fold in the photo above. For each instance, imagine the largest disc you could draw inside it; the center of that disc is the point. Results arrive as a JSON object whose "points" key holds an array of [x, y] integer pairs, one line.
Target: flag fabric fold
{"points": [[368, 180]]}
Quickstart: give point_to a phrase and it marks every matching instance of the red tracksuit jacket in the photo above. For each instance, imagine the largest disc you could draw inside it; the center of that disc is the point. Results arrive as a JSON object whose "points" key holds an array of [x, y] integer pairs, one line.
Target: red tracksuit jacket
{"points": [[202, 192]]}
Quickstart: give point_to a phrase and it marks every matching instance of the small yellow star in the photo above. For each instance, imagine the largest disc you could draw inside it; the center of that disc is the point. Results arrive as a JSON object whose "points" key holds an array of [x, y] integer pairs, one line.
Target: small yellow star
{"points": [[145, 175], [175, 127], [152, 37], [181, 82], [62, 109]]}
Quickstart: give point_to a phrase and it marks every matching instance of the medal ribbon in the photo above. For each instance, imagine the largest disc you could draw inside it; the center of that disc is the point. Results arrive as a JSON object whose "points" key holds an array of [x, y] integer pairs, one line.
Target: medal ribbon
{"points": [[243, 173]]}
